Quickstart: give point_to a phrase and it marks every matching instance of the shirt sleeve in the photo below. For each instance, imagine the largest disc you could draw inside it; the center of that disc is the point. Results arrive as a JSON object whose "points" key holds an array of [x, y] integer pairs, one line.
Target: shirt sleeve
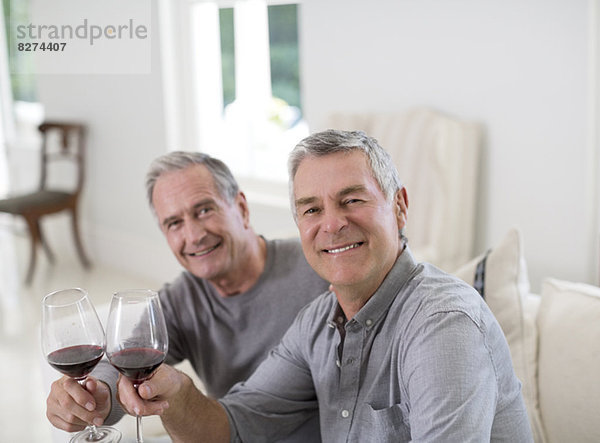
{"points": [[280, 391], [175, 353], [450, 379]]}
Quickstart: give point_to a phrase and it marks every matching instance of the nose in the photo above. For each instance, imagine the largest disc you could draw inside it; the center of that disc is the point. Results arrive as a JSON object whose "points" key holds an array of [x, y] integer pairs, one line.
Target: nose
{"points": [[333, 220], [194, 232]]}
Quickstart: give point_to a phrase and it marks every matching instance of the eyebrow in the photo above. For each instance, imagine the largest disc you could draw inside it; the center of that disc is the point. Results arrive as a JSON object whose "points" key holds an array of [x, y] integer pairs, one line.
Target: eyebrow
{"points": [[201, 203], [346, 191], [305, 201], [166, 221], [351, 190]]}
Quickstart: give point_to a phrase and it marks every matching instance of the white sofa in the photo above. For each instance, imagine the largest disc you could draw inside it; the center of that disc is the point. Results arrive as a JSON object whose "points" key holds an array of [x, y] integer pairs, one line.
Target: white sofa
{"points": [[554, 339]]}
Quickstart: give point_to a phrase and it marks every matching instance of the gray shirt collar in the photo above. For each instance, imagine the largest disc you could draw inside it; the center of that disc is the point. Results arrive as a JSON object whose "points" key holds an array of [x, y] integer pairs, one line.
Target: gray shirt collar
{"points": [[375, 308]]}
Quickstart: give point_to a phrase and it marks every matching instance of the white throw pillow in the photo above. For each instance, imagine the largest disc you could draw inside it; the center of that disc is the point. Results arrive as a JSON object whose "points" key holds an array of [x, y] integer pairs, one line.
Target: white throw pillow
{"points": [[531, 304], [569, 361], [505, 284]]}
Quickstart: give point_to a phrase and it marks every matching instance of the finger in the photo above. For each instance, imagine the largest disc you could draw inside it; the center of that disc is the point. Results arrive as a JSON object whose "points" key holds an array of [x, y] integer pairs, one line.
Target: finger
{"points": [[99, 390], [59, 423], [131, 401], [128, 396], [153, 407], [152, 388], [163, 384], [81, 396], [73, 404], [154, 404], [91, 384], [61, 415]]}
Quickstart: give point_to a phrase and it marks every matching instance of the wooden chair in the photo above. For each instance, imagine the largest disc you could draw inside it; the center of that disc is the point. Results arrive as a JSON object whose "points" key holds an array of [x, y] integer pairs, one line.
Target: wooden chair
{"points": [[49, 199]]}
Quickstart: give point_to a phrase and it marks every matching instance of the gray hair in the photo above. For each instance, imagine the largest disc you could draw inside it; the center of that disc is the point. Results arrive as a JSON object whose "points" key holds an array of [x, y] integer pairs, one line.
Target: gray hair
{"points": [[332, 141], [177, 160]]}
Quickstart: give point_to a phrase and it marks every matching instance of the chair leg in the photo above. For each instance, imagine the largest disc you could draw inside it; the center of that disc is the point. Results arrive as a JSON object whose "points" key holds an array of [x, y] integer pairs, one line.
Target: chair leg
{"points": [[44, 243], [34, 234], [82, 256]]}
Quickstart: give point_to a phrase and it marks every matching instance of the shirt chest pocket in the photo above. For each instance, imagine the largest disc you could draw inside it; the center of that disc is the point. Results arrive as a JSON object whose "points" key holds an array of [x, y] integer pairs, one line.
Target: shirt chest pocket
{"points": [[386, 424]]}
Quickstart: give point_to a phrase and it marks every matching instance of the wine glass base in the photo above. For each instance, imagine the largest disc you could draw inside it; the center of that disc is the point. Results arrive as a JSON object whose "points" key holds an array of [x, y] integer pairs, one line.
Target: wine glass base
{"points": [[105, 434]]}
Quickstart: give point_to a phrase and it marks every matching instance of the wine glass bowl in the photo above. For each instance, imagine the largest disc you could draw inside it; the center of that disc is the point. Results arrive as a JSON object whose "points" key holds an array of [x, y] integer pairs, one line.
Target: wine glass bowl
{"points": [[137, 364], [76, 361], [73, 343], [136, 336], [72, 335]]}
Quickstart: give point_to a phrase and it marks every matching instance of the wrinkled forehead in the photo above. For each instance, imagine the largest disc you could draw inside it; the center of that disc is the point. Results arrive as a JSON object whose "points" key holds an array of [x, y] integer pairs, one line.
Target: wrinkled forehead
{"points": [[355, 160], [193, 176], [177, 189], [331, 172]]}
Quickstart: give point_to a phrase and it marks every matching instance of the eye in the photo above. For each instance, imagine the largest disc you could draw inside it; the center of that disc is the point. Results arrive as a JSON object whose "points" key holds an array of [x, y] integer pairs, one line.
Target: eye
{"points": [[311, 211], [352, 201], [203, 211], [173, 224]]}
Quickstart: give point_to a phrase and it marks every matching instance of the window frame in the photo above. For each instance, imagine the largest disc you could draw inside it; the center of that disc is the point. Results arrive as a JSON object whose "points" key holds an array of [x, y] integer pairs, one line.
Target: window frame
{"points": [[181, 112]]}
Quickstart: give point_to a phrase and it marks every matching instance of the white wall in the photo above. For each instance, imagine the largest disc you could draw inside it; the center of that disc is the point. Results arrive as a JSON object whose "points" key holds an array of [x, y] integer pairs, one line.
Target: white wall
{"points": [[126, 130], [520, 68]]}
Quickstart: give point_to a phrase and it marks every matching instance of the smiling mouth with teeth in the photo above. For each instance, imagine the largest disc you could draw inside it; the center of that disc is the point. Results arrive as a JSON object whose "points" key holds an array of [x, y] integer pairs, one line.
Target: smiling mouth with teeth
{"points": [[206, 251], [345, 248]]}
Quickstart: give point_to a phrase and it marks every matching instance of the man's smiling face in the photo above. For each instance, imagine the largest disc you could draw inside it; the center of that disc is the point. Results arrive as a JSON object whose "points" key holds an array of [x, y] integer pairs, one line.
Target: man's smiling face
{"points": [[349, 230], [203, 229]]}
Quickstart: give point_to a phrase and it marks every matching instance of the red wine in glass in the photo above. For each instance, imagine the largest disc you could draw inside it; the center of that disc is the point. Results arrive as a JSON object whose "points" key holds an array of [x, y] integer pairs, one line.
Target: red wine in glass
{"points": [[76, 361], [137, 364], [136, 337]]}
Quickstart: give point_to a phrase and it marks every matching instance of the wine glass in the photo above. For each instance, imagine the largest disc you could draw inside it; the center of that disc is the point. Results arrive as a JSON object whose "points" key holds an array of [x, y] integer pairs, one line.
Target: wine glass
{"points": [[73, 343], [136, 337]]}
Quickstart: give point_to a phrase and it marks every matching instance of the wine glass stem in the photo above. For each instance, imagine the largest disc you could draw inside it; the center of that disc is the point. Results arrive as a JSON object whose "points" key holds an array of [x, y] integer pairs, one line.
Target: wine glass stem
{"points": [[138, 420], [94, 435]]}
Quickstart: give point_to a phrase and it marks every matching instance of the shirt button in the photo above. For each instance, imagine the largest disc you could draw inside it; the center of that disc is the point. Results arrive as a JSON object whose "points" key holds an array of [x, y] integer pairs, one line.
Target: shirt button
{"points": [[369, 322], [345, 413]]}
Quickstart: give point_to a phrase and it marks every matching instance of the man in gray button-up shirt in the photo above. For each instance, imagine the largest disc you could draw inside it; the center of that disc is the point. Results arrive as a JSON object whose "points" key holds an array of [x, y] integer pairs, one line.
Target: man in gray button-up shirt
{"points": [[395, 351]]}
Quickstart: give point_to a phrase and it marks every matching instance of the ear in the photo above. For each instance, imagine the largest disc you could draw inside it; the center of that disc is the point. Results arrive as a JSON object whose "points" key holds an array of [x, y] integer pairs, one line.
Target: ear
{"points": [[242, 204], [401, 207]]}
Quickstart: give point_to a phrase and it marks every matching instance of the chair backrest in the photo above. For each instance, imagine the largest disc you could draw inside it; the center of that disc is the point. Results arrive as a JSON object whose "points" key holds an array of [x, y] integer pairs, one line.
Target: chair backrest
{"points": [[437, 157], [63, 146]]}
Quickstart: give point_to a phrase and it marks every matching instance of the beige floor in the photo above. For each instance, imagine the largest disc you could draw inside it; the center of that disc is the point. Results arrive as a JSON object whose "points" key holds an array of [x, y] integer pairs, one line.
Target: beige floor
{"points": [[22, 408]]}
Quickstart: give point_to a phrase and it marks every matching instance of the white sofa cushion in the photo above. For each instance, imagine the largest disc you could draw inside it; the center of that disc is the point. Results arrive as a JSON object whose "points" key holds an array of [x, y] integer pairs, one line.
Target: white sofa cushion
{"points": [[531, 304], [505, 284], [569, 361]]}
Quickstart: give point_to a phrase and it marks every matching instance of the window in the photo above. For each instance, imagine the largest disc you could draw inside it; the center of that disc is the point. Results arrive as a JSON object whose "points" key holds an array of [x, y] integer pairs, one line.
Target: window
{"points": [[246, 83], [22, 78]]}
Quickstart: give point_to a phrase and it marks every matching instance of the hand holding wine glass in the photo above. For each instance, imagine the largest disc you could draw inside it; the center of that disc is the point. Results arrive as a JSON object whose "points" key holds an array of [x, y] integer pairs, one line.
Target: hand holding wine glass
{"points": [[73, 343], [137, 339]]}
